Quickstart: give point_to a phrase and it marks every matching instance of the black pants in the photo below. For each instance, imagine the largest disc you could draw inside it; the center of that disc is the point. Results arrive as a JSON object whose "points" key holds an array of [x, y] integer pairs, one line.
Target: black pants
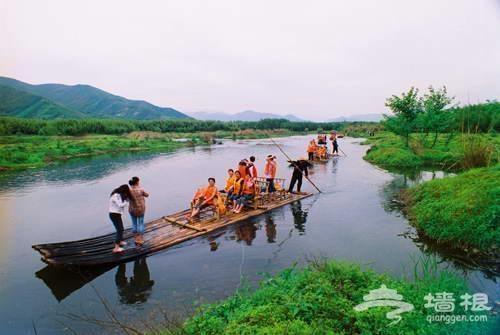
{"points": [[311, 155], [116, 218], [296, 177]]}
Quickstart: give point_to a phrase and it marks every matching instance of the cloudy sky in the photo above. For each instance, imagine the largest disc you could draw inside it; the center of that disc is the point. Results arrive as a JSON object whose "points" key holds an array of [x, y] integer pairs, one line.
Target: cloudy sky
{"points": [[314, 59]]}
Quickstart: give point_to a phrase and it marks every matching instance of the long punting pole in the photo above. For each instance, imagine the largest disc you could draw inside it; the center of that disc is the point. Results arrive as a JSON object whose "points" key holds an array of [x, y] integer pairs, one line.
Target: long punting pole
{"points": [[291, 161]]}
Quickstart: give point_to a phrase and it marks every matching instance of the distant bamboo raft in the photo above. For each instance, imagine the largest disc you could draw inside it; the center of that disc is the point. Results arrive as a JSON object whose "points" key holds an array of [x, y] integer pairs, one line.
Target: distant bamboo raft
{"points": [[159, 234]]}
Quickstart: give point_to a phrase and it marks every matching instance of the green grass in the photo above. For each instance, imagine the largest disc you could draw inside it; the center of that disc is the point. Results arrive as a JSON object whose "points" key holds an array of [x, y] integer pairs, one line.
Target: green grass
{"points": [[18, 152], [33, 151], [461, 210], [450, 151], [320, 300]]}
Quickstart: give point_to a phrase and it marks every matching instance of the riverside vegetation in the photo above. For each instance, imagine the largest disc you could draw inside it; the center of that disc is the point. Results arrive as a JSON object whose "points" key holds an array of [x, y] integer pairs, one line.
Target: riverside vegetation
{"points": [[459, 211], [320, 299], [33, 143]]}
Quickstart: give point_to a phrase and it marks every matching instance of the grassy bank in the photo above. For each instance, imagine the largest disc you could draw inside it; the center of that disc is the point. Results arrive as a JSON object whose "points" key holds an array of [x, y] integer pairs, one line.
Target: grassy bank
{"points": [[461, 210], [18, 152], [321, 298], [450, 151]]}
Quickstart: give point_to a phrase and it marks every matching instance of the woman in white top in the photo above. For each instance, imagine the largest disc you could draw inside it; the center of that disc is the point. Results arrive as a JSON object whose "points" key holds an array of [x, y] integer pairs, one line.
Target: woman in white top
{"points": [[118, 200]]}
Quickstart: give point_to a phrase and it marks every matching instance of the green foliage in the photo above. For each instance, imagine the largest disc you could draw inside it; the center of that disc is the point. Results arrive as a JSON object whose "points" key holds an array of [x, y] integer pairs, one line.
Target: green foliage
{"points": [[431, 114], [406, 109], [479, 118], [16, 126], [22, 104], [320, 300], [477, 151], [463, 210], [88, 101], [32, 151], [449, 152], [435, 118]]}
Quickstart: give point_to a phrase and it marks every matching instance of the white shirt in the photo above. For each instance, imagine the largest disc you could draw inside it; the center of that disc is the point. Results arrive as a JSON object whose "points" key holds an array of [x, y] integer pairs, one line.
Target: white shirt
{"points": [[116, 204]]}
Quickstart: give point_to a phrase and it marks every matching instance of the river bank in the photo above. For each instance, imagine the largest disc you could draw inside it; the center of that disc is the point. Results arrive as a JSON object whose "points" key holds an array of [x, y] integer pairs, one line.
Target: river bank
{"points": [[450, 152], [461, 210], [322, 298], [22, 152]]}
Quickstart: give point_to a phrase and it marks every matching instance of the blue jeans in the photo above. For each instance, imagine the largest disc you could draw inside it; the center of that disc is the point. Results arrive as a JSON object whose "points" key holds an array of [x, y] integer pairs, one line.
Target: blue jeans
{"points": [[243, 200], [137, 224], [116, 218]]}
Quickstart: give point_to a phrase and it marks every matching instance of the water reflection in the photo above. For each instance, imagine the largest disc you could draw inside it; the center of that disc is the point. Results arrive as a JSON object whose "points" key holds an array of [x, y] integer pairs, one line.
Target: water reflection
{"points": [[299, 217], [64, 280], [404, 179], [137, 288], [75, 170], [246, 232], [270, 229], [464, 260], [212, 241]]}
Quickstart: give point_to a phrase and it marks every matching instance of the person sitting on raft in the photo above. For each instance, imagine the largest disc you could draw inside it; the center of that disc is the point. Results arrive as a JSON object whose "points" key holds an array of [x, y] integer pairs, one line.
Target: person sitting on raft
{"points": [[236, 189], [203, 198], [247, 194], [322, 153], [229, 182]]}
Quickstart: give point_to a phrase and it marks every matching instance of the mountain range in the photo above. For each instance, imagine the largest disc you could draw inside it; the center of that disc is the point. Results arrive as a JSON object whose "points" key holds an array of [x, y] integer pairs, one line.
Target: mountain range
{"points": [[358, 117], [49, 101], [242, 116]]}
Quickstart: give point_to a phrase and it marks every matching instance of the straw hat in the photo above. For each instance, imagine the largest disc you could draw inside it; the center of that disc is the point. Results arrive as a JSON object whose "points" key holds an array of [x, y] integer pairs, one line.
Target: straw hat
{"points": [[270, 157]]}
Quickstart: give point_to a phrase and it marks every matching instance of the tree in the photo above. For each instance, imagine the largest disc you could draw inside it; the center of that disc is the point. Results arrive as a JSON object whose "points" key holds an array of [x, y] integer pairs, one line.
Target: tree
{"points": [[406, 108], [436, 118]]}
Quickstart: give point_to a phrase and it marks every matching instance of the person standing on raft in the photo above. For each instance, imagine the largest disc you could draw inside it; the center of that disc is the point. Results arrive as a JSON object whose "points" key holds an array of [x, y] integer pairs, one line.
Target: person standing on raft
{"points": [[300, 167], [270, 173], [137, 209], [118, 199]]}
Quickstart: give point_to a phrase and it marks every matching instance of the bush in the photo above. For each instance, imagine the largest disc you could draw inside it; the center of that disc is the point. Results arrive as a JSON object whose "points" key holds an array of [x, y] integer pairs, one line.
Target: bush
{"points": [[321, 300], [461, 210]]}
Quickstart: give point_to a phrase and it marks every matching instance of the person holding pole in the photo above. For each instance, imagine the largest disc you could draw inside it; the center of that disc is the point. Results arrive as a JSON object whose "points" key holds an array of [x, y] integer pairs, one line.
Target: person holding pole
{"points": [[300, 167]]}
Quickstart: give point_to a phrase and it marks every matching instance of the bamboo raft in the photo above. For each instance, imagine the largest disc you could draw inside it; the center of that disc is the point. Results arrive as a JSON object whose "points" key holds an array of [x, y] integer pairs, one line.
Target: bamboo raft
{"points": [[160, 234]]}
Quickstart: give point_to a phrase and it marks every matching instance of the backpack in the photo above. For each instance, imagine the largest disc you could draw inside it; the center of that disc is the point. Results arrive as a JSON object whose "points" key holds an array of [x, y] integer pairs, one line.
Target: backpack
{"points": [[220, 205]]}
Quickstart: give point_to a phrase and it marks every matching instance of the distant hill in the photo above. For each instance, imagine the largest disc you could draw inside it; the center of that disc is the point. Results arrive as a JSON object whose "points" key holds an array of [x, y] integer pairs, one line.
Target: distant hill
{"points": [[242, 116], [93, 102], [18, 103], [358, 117]]}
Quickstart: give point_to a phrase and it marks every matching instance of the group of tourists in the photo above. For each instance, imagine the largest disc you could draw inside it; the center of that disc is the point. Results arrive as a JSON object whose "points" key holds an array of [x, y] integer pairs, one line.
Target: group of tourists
{"points": [[319, 150], [133, 196], [239, 188]]}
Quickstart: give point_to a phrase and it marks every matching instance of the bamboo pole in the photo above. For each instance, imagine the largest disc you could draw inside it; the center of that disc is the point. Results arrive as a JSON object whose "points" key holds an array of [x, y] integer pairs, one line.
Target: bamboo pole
{"points": [[291, 161]]}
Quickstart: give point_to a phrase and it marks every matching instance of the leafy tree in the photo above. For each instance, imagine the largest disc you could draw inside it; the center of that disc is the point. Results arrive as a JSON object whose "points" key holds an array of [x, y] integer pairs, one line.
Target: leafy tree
{"points": [[406, 108], [435, 117]]}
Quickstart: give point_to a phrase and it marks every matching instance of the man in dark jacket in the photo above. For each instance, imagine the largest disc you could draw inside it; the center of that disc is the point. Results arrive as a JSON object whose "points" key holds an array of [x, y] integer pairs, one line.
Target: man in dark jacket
{"points": [[300, 167]]}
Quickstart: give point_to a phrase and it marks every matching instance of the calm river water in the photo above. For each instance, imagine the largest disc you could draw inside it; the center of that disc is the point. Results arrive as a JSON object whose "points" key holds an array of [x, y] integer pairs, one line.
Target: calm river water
{"points": [[353, 219]]}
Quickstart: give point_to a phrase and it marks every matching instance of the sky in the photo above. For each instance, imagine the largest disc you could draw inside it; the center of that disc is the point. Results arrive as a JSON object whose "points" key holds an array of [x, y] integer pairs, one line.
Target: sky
{"points": [[314, 59]]}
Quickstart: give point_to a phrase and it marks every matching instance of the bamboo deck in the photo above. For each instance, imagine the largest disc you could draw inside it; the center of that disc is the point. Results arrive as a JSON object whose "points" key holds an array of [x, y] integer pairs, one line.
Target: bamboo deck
{"points": [[159, 234]]}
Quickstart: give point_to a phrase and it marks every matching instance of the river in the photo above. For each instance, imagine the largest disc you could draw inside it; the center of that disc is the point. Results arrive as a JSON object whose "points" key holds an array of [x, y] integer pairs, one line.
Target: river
{"points": [[354, 219]]}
